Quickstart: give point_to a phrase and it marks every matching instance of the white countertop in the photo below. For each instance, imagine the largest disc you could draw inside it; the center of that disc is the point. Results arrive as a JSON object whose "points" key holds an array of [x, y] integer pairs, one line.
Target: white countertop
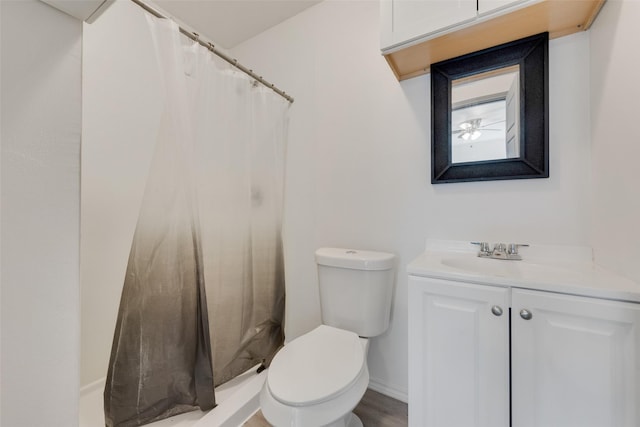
{"points": [[562, 269]]}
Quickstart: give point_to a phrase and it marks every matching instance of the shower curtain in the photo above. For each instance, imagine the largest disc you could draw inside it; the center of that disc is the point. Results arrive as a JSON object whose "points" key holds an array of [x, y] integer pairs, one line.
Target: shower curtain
{"points": [[203, 296]]}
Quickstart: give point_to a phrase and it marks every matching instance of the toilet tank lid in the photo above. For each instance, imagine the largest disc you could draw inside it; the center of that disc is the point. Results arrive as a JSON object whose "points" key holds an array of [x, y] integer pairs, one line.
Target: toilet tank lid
{"points": [[355, 259]]}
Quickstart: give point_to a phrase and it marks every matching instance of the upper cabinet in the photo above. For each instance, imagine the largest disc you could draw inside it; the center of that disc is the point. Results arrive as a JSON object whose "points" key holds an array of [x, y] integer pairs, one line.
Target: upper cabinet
{"points": [[404, 21], [418, 33], [490, 6]]}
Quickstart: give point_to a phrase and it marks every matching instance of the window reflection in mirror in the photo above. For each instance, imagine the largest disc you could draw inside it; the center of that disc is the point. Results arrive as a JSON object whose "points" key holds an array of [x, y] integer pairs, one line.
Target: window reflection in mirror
{"points": [[485, 114]]}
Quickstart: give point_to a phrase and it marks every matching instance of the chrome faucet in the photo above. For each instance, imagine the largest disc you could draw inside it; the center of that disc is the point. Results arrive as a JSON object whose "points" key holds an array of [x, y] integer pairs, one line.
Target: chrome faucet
{"points": [[485, 249], [500, 251]]}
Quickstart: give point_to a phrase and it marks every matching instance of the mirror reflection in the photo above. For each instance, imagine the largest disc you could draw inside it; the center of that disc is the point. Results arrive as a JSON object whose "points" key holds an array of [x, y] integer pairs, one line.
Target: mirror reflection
{"points": [[489, 113], [485, 115]]}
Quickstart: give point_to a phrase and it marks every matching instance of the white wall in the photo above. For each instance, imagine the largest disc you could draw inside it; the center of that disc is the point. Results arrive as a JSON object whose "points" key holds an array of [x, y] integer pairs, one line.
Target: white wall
{"points": [[357, 176], [41, 96], [122, 100], [358, 163], [615, 92]]}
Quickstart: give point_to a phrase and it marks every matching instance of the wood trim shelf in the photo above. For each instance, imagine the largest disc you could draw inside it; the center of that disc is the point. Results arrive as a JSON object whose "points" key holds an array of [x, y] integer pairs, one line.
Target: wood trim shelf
{"points": [[558, 17]]}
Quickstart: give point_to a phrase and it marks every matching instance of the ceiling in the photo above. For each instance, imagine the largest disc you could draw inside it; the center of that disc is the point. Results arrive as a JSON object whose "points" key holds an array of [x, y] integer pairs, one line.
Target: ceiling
{"points": [[227, 23]]}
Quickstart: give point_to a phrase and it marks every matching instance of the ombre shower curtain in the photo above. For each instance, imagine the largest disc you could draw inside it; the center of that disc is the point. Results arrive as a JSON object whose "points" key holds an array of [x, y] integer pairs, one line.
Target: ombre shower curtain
{"points": [[203, 296]]}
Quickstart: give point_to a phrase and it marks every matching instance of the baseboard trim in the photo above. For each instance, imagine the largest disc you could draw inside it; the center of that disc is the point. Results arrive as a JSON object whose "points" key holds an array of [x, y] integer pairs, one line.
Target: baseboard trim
{"points": [[380, 387], [88, 388]]}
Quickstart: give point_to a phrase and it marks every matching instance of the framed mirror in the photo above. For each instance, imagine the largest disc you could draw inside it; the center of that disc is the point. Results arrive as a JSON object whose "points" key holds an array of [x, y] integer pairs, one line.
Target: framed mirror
{"points": [[489, 113]]}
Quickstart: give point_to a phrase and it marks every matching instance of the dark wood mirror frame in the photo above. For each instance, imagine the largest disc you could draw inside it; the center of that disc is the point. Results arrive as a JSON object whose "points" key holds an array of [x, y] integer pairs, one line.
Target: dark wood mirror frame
{"points": [[532, 55]]}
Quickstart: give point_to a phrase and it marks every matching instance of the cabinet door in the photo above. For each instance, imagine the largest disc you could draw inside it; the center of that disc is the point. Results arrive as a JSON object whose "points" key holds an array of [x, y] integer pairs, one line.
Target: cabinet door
{"points": [[490, 6], [458, 354], [405, 20], [575, 362]]}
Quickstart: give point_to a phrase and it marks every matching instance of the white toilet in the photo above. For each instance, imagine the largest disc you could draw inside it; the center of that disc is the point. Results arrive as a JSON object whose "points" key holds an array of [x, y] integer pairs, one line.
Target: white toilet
{"points": [[318, 378]]}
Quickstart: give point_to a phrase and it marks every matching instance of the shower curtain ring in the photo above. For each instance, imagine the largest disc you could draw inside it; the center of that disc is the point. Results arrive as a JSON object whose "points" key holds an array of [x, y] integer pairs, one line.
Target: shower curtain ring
{"points": [[197, 37]]}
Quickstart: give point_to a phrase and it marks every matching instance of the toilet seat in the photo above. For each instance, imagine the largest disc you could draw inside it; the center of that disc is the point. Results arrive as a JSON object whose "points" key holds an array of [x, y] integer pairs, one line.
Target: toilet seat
{"points": [[315, 367]]}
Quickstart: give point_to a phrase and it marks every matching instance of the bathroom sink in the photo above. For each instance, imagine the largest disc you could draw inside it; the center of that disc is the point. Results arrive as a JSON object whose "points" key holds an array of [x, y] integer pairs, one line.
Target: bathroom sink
{"points": [[561, 269], [483, 266], [473, 265]]}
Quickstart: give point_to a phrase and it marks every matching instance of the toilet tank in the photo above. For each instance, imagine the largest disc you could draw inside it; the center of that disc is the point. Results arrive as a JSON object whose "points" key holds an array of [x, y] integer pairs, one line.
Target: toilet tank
{"points": [[356, 288]]}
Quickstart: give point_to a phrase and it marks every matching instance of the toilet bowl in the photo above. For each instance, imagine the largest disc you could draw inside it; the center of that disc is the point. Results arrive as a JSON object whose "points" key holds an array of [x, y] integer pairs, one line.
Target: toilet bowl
{"points": [[318, 378]]}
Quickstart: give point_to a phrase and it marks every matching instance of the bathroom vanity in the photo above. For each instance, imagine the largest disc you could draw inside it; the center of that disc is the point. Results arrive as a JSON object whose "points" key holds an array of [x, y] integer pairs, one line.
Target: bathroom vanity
{"points": [[552, 340]]}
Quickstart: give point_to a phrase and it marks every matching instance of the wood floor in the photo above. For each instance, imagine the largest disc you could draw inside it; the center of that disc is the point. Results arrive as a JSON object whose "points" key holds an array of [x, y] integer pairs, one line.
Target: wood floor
{"points": [[375, 410]]}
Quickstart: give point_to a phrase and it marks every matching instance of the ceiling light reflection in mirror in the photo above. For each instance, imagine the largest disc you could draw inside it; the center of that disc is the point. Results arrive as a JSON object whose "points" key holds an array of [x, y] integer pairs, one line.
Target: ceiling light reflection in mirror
{"points": [[485, 116]]}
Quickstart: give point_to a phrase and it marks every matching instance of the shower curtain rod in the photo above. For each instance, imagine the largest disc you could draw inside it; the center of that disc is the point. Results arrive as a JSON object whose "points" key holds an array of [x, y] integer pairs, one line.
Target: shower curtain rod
{"points": [[210, 46]]}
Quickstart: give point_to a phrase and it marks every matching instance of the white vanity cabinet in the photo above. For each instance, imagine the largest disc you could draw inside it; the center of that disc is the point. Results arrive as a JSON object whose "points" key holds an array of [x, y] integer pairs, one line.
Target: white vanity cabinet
{"points": [[480, 355], [458, 354], [575, 362]]}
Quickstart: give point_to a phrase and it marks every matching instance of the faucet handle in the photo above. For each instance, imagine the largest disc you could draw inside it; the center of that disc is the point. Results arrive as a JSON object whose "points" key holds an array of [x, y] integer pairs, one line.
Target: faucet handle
{"points": [[512, 249], [484, 248]]}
